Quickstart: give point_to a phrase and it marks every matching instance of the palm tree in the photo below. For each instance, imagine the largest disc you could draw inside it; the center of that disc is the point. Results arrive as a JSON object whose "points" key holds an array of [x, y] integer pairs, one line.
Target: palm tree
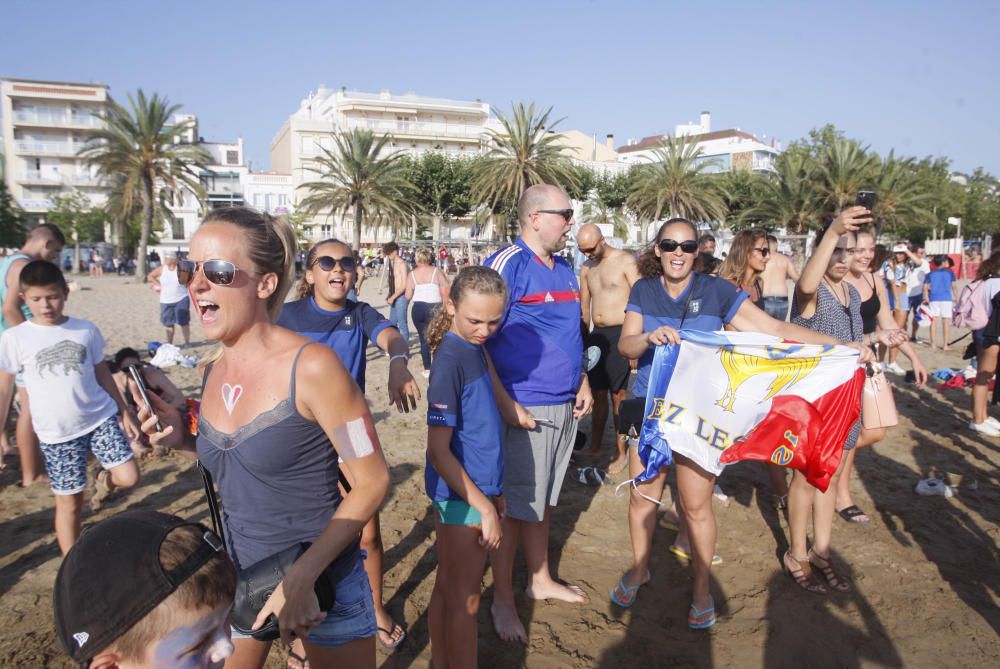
{"points": [[596, 211], [358, 176], [845, 167], [676, 184], [139, 147], [791, 197], [904, 194], [525, 153]]}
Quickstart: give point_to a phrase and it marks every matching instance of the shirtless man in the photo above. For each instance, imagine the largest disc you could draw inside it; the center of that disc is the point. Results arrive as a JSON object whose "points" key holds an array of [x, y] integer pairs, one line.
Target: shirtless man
{"points": [[778, 271], [396, 299], [606, 280]]}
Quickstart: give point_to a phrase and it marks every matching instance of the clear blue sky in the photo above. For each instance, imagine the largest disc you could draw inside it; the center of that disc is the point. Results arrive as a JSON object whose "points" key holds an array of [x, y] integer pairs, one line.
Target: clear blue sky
{"points": [[920, 77]]}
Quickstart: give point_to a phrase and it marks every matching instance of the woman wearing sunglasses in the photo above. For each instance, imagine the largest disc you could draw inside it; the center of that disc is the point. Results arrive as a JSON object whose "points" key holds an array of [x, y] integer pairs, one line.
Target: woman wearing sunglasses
{"points": [[276, 411], [324, 313], [671, 297]]}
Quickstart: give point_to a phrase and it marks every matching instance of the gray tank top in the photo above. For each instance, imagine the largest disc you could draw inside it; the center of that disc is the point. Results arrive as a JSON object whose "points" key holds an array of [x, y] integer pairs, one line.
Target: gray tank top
{"points": [[277, 479]]}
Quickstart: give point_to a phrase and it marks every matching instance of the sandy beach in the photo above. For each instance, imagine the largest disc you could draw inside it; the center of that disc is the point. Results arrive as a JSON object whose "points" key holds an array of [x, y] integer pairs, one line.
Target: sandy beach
{"points": [[926, 570]]}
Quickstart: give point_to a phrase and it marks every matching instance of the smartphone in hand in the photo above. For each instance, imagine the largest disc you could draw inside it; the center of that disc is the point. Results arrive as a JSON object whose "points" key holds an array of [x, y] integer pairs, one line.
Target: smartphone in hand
{"points": [[866, 199], [140, 383]]}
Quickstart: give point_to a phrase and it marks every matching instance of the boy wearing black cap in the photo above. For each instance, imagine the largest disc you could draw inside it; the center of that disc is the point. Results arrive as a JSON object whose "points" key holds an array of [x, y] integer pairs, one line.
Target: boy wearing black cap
{"points": [[146, 589]]}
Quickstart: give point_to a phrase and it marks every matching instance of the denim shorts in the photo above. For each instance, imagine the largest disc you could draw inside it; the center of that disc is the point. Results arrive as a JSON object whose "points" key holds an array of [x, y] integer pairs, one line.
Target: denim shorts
{"points": [[66, 463], [353, 614], [178, 313]]}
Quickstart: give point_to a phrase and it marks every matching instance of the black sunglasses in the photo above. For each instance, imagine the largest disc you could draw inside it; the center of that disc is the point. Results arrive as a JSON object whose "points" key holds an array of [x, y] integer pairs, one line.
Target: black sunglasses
{"points": [[327, 263], [219, 272], [670, 245], [764, 251], [567, 214]]}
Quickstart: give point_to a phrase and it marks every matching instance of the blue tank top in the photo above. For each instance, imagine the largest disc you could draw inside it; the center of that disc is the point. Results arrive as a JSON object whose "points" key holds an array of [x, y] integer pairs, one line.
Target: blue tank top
{"points": [[5, 264], [277, 479]]}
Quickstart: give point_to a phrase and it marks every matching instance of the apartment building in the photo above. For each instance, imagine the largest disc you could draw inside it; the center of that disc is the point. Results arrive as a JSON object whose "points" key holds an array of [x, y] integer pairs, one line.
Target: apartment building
{"points": [[269, 191], [725, 150], [44, 124], [224, 180], [417, 124]]}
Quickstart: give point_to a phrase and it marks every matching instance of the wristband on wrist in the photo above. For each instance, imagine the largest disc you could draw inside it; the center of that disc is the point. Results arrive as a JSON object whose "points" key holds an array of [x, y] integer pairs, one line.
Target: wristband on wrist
{"points": [[401, 356]]}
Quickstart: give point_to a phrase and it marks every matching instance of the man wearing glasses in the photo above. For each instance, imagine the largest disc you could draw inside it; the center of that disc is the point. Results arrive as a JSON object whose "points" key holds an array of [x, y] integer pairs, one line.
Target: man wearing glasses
{"points": [[538, 356], [606, 280]]}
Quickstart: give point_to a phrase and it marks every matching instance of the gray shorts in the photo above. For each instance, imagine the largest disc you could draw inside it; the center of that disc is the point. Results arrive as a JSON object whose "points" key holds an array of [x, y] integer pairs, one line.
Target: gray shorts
{"points": [[535, 462]]}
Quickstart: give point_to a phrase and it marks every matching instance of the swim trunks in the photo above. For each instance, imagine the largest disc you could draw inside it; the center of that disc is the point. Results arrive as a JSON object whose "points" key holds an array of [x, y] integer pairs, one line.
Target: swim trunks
{"points": [[612, 369]]}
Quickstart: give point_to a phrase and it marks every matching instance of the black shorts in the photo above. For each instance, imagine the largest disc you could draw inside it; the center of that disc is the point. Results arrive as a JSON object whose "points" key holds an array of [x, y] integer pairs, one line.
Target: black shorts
{"points": [[612, 369]]}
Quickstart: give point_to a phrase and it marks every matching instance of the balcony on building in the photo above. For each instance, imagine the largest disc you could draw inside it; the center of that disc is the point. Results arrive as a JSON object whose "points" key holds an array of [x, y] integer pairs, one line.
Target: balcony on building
{"points": [[40, 178], [404, 129], [65, 149], [57, 118]]}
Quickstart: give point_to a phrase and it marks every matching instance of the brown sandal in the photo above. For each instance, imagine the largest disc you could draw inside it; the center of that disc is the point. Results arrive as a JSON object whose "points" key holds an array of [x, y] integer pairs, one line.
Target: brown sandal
{"points": [[803, 574], [836, 580]]}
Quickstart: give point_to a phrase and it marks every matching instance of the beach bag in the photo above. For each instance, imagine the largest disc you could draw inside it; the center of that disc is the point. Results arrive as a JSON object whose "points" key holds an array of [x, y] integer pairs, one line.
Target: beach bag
{"points": [[970, 310], [878, 408]]}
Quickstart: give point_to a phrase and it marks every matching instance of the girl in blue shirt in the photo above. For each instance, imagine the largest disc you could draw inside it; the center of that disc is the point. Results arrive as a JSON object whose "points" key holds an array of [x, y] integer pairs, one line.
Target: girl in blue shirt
{"points": [[325, 314], [464, 474], [672, 297]]}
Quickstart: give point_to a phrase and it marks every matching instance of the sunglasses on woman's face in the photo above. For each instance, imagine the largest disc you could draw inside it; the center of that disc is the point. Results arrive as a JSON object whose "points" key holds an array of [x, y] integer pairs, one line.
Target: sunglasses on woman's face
{"points": [[327, 263], [764, 251], [219, 272], [670, 245]]}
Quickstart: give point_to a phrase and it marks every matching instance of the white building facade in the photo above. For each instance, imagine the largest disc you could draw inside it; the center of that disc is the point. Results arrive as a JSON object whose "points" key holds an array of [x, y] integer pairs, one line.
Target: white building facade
{"points": [[44, 124], [725, 150], [416, 123], [224, 180]]}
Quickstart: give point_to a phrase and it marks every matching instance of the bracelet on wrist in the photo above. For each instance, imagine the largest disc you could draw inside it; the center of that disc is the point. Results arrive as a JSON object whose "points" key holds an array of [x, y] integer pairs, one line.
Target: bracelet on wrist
{"points": [[400, 356]]}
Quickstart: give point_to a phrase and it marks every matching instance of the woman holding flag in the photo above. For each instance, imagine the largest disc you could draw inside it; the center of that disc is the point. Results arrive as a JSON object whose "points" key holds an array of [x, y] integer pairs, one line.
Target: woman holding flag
{"points": [[669, 298], [825, 301]]}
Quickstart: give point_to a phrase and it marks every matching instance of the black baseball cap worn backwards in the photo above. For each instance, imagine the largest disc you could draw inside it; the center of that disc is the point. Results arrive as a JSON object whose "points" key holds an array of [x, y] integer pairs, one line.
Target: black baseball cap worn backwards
{"points": [[112, 578]]}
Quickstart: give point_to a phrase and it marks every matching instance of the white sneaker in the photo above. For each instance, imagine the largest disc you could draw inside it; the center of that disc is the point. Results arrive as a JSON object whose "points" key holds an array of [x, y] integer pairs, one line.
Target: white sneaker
{"points": [[986, 427], [993, 421], [895, 368]]}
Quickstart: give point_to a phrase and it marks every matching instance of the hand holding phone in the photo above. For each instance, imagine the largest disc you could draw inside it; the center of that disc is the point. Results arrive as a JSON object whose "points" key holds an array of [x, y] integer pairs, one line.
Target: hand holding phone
{"points": [[140, 383], [866, 199]]}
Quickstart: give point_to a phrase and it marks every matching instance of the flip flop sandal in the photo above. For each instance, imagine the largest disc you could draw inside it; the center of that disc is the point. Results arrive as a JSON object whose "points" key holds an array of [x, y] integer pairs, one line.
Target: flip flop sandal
{"points": [[390, 634], [684, 555], [852, 515], [669, 524], [697, 619], [591, 476], [629, 592], [296, 662]]}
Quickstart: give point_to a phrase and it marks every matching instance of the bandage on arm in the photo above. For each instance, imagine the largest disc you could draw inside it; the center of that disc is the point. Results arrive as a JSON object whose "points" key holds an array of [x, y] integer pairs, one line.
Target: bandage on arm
{"points": [[352, 441]]}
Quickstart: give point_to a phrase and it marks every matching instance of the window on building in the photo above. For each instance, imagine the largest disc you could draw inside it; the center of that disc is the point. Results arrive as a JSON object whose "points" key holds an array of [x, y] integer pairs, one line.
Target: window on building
{"points": [[326, 231], [177, 228], [232, 157]]}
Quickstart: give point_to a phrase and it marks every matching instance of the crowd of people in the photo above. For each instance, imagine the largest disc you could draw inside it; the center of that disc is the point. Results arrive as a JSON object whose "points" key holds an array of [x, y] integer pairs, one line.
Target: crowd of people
{"points": [[516, 351]]}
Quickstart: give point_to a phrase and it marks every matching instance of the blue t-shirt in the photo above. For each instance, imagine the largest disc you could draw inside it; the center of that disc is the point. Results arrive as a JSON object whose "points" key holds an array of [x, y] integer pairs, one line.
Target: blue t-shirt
{"points": [[538, 349], [940, 281], [460, 396], [713, 304], [346, 331]]}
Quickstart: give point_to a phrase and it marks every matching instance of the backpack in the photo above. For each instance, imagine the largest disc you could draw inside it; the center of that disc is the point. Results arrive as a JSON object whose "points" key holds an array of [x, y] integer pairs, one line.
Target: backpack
{"points": [[970, 310]]}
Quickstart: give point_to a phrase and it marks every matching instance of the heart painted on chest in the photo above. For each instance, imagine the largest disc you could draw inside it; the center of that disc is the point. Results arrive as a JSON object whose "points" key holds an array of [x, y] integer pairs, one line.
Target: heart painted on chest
{"points": [[230, 396]]}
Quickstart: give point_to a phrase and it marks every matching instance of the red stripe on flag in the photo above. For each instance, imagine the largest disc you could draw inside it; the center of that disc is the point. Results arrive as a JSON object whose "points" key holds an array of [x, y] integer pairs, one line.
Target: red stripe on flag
{"points": [[808, 437], [551, 296]]}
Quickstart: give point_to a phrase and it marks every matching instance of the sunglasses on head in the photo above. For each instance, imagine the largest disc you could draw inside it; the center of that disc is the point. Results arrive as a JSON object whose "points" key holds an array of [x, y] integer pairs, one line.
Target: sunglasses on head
{"points": [[567, 214], [327, 263], [670, 245], [219, 272]]}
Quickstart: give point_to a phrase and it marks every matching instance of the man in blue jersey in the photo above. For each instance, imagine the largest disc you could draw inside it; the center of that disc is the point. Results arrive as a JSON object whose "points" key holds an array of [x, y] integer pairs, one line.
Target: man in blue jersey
{"points": [[44, 242], [538, 356]]}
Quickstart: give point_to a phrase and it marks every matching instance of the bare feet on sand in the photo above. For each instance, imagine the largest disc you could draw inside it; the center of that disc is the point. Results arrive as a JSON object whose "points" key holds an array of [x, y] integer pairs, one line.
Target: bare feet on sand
{"points": [[559, 591], [506, 623], [27, 483], [618, 464]]}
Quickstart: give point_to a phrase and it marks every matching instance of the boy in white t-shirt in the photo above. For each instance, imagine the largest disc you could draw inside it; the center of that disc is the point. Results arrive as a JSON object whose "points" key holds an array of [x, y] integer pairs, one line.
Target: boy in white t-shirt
{"points": [[73, 398]]}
